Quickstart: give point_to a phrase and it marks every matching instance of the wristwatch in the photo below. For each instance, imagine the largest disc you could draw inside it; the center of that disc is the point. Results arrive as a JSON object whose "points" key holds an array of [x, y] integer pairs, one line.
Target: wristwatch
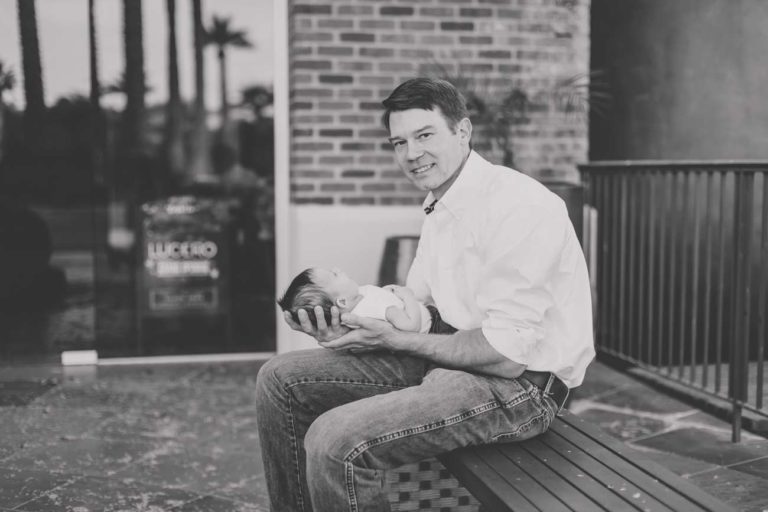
{"points": [[439, 326]]}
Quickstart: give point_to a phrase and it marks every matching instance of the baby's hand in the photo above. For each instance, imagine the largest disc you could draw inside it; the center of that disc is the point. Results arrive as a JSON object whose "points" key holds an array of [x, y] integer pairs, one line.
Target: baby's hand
{"points": [[400, 291]]}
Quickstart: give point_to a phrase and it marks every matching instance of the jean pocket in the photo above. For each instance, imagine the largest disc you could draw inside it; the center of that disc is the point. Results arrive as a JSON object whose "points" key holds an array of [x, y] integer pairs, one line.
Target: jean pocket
{"points": [[526, 413]]}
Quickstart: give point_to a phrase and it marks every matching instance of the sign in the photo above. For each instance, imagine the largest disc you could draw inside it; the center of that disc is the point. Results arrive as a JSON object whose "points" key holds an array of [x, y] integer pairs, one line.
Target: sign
{"points": [[185, 256], [172, 299]]}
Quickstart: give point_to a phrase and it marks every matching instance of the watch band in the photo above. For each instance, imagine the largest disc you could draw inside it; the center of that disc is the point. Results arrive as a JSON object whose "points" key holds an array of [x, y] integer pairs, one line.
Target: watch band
{"points": [[439, 326]]}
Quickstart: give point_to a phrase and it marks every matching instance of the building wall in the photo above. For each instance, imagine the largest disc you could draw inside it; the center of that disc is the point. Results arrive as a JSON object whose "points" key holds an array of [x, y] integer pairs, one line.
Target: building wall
{"points": [[347, 195], [347, 55], [687, 79]]}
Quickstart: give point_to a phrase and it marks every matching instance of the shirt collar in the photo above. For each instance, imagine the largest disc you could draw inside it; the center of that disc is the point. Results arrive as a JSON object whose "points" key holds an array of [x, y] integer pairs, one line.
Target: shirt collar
{"points": [[463, 192]]}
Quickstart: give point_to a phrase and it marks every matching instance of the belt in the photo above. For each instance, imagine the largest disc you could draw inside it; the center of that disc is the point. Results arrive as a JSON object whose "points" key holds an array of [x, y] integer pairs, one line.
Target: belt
{"points": [[550, 384]]}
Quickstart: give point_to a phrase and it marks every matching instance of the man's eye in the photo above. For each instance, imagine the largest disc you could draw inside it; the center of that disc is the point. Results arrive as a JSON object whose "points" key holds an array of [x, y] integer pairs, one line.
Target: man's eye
{"points": [[397, 143], [424, 136]]}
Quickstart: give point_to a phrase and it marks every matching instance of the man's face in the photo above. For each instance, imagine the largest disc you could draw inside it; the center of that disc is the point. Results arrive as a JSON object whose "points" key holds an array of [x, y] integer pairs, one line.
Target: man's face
{"points": [[335, 282], [428, 151]]}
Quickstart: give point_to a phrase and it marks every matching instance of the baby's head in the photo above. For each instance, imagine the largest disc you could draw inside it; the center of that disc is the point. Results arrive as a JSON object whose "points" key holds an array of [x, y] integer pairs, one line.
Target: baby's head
{"points": [[319, 287]]}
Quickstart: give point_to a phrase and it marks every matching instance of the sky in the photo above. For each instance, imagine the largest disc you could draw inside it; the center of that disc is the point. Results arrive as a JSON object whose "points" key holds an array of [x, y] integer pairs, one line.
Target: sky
{"points": [[63, 34]]}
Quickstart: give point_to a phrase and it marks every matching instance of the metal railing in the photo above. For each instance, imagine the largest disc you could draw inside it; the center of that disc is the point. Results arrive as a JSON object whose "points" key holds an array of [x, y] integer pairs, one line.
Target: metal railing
{"points": [[678, 253]]}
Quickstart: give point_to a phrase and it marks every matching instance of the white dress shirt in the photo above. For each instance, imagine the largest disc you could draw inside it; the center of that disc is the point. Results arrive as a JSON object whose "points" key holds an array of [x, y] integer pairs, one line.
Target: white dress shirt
{"points": [[499, 253]]}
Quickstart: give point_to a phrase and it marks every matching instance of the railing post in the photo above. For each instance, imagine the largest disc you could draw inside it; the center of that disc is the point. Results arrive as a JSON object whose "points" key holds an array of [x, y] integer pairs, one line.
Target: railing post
{"points": [[739, 365]]}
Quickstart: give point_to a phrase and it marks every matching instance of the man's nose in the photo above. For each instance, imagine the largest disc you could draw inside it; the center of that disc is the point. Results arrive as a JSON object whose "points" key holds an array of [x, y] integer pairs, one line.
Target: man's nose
{"points": [[415, 150]]}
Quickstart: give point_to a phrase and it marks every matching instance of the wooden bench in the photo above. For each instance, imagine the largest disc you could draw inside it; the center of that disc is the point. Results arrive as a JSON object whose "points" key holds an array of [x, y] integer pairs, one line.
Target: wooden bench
{"points": [[573, 466]]}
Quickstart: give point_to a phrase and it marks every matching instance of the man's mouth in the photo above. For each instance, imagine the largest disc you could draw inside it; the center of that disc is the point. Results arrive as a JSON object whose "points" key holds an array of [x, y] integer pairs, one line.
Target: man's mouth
{"points": [[422, 169]]}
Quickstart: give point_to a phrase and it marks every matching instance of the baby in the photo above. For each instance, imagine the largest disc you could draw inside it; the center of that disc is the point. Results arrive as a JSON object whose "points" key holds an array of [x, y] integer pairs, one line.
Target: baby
{"points": [[326, 288]]}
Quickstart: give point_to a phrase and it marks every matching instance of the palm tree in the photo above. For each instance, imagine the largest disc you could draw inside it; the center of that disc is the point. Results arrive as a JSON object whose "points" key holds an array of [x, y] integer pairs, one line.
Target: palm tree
{"points": [[134, 113], [98, 125], [7, 82], [118, 86], [223, 36], [200, 165], [174, 142], [32, 68], [95, 93]]}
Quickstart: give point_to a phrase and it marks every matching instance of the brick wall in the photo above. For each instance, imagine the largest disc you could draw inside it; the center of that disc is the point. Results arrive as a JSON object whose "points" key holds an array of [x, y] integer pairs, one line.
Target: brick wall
{"points": [[347, 55]]}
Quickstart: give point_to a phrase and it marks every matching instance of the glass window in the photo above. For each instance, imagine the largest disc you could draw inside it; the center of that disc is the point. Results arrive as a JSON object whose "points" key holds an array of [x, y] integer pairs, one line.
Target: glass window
{"points": [[136, 178]]}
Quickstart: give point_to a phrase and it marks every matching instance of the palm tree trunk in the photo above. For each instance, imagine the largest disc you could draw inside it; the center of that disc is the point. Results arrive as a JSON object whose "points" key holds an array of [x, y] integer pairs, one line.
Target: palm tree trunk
{"points": [[199, 42], [227, 133], [33, 72], [223, 85], [134, 114], [2, 130], [95, 93], [174, 134], [98, 128], [200, 160]]}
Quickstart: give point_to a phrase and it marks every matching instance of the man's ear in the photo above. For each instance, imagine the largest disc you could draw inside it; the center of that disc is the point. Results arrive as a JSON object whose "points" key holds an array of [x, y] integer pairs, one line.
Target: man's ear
{"points": [[341, 302], [464, 128]]}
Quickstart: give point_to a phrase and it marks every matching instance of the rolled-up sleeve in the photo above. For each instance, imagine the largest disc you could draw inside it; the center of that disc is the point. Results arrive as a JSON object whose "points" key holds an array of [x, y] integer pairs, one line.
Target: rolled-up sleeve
{"points": [[514, 292]]}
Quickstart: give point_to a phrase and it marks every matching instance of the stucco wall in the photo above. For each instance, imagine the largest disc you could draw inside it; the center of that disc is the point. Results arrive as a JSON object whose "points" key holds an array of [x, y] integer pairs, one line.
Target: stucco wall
{"points": [[348, 237], [687, 79]]}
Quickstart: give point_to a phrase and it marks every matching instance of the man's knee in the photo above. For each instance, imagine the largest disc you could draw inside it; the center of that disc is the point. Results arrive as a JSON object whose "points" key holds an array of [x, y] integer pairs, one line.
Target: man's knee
{"points": [[274, 375], [280, 369], [326, 440], [268, 372]]}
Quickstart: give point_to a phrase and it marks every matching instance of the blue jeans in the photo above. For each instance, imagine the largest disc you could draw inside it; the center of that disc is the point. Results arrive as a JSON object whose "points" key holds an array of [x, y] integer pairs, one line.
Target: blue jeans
{"points": [[330, 422]]}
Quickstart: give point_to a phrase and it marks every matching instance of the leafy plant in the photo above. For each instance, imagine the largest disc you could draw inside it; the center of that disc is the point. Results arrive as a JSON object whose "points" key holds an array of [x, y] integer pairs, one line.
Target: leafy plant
{"points": [[7, 79], [495, 113]]}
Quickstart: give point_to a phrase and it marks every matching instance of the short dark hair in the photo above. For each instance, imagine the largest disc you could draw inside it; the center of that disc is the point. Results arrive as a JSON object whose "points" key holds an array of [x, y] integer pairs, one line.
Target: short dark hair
{"points": [[304, 293], [426, 94]]}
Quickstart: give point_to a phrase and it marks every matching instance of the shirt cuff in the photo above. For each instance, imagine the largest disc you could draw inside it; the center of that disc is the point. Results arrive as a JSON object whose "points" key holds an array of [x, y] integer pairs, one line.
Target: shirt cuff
{"points": [[516, 344]]}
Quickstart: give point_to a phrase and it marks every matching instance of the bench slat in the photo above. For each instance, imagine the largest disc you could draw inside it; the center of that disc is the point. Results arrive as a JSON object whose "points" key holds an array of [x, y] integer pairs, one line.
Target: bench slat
{"points": [[485, 484], [574, 466], [656, 471], [580, 453], [592, 488], [538, 464], [514, 467]]}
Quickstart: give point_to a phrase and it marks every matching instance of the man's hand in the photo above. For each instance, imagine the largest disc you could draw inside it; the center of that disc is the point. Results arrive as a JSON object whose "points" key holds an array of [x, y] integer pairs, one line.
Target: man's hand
{"points": [[324, 332], [371, 335]]}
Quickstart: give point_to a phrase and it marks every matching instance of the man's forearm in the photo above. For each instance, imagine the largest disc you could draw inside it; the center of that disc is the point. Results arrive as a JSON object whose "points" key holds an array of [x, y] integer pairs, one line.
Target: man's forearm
{"points": [[466, 350]]}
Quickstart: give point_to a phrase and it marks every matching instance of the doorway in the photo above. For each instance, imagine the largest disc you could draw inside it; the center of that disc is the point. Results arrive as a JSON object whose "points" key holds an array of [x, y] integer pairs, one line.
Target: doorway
{"points": [[137, 206]]}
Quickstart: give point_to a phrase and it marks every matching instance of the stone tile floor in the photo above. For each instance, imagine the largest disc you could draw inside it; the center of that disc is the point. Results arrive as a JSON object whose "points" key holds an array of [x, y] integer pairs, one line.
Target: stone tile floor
{"points": [[183, 438], [677, 435], [153, 438]]}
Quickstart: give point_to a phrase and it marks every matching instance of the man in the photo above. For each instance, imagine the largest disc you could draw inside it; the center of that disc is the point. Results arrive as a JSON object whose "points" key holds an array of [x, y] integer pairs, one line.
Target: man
{"points": [[499, 260]]}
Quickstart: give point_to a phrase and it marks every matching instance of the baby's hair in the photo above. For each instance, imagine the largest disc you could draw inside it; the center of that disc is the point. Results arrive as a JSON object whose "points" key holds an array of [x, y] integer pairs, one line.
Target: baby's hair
{"points": [[304, 294]]}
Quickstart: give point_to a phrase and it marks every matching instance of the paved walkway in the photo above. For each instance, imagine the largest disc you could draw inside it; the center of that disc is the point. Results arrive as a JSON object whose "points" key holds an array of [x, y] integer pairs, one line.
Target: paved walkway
{"points": [[183, 438], [675, 434]]}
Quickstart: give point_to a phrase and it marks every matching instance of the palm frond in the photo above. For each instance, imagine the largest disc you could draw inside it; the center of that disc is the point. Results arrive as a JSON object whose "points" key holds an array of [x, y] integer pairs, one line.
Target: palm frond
{"points": [[7, 78], [221, 34], [118, 86]]}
